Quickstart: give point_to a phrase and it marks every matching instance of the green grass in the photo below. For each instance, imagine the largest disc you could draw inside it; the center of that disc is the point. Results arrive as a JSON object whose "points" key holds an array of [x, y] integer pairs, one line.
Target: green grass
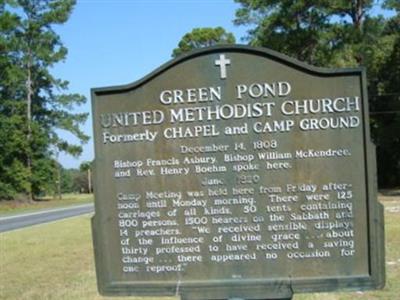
{"points": [[41, 263], [15, 207]]}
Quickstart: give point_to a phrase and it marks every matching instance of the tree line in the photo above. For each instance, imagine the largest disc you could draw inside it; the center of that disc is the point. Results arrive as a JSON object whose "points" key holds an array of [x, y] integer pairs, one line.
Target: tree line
{"points": [[35, 106], [75, 180]]}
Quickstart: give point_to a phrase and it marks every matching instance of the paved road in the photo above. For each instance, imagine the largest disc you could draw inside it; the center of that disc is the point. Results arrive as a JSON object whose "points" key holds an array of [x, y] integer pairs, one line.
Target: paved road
{"points": [[45, 216]]}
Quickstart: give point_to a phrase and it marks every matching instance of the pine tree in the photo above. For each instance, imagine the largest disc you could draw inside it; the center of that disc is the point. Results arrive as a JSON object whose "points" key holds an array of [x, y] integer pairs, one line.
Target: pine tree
{"points": [[338, 33], [311, 31], [203, 37], [34, 104]]}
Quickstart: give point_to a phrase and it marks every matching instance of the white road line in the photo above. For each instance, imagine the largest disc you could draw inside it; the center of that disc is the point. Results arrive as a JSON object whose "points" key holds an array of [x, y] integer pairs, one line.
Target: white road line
{"points": [[46, 211]]}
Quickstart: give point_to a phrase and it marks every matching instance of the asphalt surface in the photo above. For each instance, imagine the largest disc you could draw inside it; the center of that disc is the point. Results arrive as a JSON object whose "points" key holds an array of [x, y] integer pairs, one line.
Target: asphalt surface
{"points": [[45, 216]]}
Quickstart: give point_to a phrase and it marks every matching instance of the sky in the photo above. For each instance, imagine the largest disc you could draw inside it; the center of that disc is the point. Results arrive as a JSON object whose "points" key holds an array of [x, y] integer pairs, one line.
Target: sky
{"points": [[115, 42], [119, 42]]}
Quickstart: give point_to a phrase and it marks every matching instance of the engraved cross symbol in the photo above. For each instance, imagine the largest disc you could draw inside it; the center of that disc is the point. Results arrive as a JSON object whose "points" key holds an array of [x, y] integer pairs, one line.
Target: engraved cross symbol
{"points": [[222, 62]]}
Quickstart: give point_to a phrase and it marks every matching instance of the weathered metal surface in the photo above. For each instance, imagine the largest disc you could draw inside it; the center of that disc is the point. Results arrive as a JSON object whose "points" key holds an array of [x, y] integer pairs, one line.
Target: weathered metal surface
{"points": [[236, 172]]}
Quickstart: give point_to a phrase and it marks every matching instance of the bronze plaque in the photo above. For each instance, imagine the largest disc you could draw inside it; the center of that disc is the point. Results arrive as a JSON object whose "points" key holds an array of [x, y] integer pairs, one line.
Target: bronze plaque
{"points": [[236, 172]]}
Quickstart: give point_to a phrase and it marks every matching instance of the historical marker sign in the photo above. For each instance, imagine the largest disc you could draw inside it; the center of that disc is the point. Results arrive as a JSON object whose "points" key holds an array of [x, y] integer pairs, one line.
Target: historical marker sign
{"points": [[236, 172]]}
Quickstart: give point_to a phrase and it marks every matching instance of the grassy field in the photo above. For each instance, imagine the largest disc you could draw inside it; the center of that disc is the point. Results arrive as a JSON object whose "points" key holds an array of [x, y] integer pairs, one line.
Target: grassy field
{"points": [[40, 263], [15, 207]]}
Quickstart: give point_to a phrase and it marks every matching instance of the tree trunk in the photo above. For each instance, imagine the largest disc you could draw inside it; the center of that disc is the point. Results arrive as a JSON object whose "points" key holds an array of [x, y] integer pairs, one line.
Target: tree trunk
{"points": [[357, 17], [59, 180], [29, 95], [89, 173], [357, 14]]}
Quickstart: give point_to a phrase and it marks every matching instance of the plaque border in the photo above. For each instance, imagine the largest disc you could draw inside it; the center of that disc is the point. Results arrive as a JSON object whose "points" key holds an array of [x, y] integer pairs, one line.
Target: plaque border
{"points": [[249, 288]]}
